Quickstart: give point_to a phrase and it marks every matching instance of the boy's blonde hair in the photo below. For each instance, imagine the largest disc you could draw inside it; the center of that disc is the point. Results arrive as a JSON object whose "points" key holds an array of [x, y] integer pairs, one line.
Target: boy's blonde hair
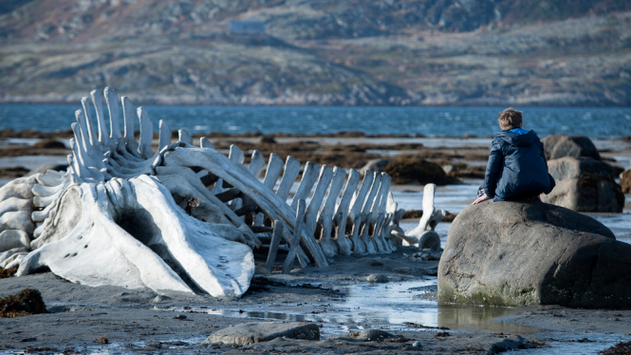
{"points": [[510, 119]]}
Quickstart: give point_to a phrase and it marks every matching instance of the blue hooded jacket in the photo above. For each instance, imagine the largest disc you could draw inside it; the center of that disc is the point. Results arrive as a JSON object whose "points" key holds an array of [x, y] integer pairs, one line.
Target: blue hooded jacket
{"points": [[517, 164]]}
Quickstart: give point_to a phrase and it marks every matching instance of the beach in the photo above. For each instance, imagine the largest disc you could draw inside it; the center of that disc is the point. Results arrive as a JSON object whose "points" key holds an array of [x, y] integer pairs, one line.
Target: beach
{"points": [[340, 298]]}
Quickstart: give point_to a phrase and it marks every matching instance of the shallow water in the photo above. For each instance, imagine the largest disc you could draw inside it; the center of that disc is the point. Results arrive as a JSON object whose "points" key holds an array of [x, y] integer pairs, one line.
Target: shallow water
{"points": [[391, 306]]}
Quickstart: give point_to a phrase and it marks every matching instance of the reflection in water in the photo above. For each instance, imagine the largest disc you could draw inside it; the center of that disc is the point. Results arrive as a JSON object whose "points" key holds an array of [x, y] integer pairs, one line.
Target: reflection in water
{"points": [[394, 306], [479, 318]]}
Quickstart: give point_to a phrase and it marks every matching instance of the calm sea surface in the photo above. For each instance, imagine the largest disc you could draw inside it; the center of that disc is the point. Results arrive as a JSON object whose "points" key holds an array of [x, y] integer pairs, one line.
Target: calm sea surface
{"points": [[425, 121]]}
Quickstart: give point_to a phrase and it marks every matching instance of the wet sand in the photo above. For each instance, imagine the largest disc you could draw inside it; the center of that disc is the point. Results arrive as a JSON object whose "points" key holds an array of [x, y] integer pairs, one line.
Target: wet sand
{"points": [[142, 321]]}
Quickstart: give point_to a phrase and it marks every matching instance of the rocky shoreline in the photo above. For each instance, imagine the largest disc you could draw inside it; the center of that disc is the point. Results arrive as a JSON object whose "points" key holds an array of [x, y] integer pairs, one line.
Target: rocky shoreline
{"points": [[111, 319]]}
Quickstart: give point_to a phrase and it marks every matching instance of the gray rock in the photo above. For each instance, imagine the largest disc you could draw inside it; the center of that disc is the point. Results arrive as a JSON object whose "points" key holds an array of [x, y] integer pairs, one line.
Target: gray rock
{"points": [[499, 343], [373, 335], [377, 279], [585, 185], [526, 253], [250, 333], [560, 145], [364, 335]]}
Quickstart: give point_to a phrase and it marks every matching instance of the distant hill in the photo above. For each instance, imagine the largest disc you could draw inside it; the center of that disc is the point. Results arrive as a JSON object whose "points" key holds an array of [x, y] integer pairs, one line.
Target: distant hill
{"points": [[355, 52]]}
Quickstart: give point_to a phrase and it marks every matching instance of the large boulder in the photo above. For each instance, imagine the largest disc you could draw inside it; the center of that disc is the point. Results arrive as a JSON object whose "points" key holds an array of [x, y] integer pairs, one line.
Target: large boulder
{"points": [[527, 253], [560, 145], [585, 185]]}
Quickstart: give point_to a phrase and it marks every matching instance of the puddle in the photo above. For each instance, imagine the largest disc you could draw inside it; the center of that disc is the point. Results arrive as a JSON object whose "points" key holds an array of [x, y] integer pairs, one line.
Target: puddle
{"points": [[392, 306]]}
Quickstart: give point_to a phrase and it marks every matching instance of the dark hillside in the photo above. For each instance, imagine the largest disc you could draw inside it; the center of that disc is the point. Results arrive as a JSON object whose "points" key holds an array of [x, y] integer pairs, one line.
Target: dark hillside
{"points": [[355, 52]]}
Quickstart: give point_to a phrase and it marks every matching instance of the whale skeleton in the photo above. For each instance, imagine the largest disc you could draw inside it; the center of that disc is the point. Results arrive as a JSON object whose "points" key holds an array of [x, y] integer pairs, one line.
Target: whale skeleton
{"points": [[184, 217]]}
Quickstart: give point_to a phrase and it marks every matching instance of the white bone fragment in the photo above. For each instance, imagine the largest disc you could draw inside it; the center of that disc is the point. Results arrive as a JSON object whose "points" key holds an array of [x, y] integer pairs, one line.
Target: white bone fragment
{"points": [[146, 133], [90, 133], [12, 258], [309, 177], [97, 101], [112, 105], [311, 214], [185, 137], [205, 143], [378, 215], [273, 245], [325, 218], [164, 136], [257, 161], [431, 217], [354, 214], [236, 154], [295, 239], [292, 169], [129, 117], [10, 239], [272, 172], [365, 214], [344, 244]]}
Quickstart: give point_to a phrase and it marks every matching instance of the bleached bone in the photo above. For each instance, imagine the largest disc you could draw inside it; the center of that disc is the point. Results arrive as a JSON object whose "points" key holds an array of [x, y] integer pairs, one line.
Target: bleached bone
{"points": [[290, 173], [184, 137], [309, 177], [238, 176], [354, 214], [170, 219], [325, 217], [365, 213], [311, 214], [273, 245], [378, 215], [274, 168], [344, 244], [295, 239], [423, 235], [118, 231]]}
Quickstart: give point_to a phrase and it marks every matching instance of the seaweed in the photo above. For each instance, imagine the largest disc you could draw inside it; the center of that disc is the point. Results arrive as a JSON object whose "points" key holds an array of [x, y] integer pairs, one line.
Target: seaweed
{"points": [[28, 301], [6, 273]]}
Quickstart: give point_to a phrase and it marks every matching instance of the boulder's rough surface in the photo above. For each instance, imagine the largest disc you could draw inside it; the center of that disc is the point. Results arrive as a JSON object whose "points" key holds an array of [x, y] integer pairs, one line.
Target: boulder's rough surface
{"points": [[625, 181], [585, 185], [415, 170], [560, 145], [526, 253], [250, 333]]}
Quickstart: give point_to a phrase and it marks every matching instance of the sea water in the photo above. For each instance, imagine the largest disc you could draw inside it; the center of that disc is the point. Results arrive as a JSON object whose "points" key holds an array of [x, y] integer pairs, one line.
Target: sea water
{"points": [[424, 121], [393, 304]]}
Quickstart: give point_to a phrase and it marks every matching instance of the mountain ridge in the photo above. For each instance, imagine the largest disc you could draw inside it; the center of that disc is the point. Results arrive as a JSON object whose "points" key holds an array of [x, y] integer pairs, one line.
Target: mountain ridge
{"points": [[396, 52]]}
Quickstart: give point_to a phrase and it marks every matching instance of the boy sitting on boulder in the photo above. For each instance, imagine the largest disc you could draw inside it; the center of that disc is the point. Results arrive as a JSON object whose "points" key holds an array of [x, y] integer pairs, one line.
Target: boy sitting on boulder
{"points": [[517, 167]]}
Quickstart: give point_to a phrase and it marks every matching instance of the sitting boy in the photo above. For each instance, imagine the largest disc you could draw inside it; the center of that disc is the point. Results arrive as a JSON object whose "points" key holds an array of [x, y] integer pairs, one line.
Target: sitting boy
{"points": [[517, 167]]}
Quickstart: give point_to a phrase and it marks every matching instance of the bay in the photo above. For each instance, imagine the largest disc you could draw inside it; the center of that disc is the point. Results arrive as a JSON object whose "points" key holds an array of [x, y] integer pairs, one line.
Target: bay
{"points": [[596, 122]]}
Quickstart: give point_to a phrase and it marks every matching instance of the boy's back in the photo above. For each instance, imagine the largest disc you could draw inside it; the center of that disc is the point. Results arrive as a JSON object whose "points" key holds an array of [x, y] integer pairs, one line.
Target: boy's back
{"points": [[517, 166]]}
